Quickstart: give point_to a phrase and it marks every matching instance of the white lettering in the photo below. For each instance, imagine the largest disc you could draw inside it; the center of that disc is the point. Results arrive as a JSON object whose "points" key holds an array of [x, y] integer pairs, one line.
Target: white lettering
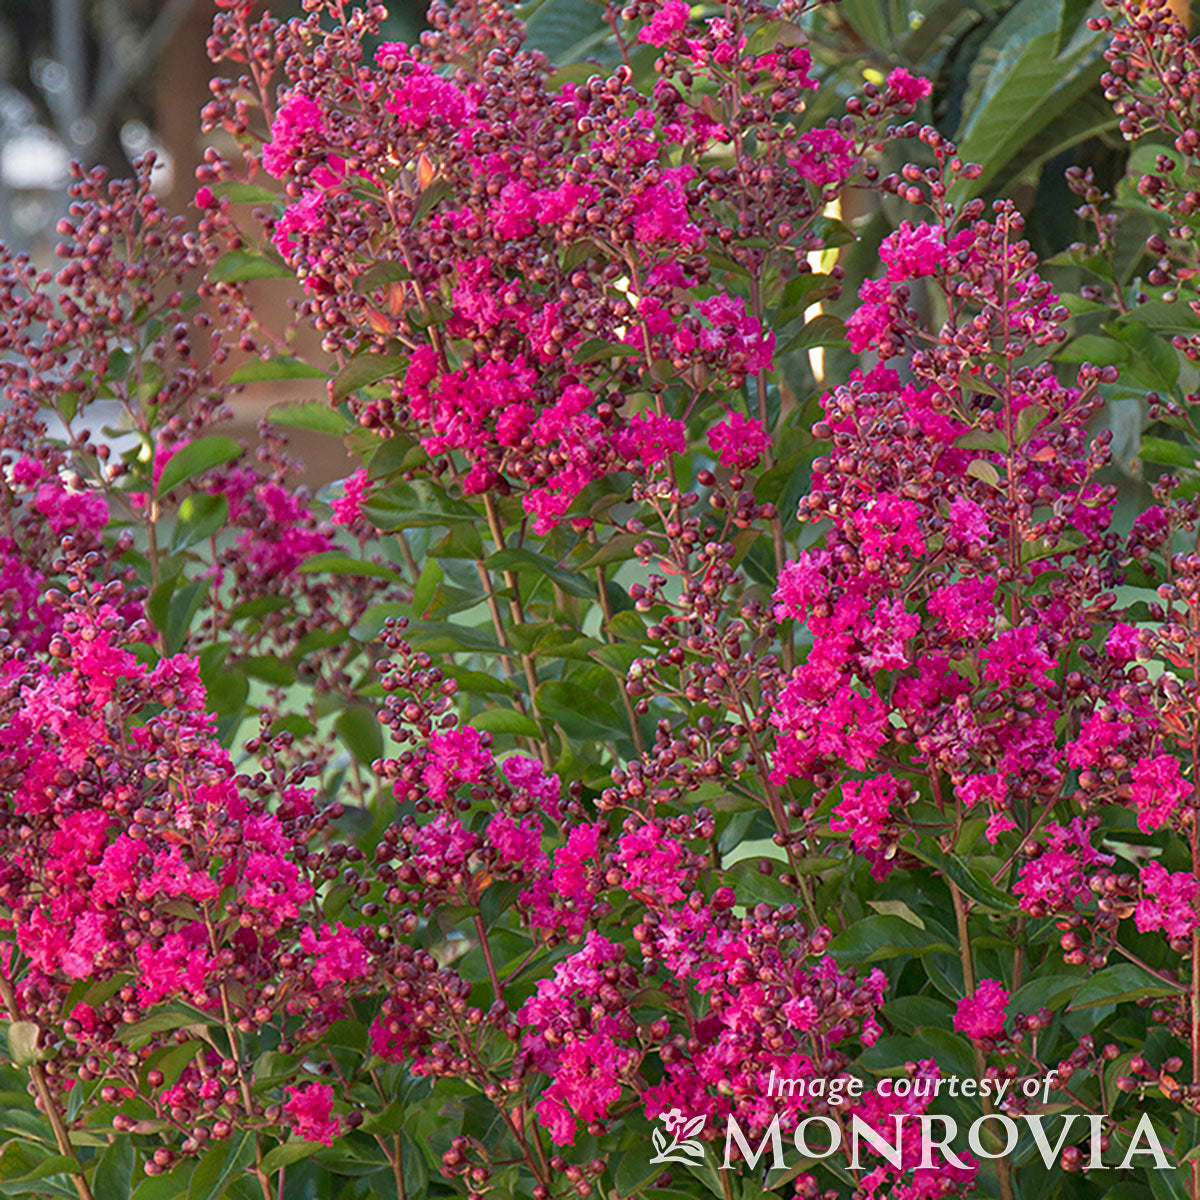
{"points": [[1145, 1130], [733, 1133], [1011, 1133], [861, 1131]]}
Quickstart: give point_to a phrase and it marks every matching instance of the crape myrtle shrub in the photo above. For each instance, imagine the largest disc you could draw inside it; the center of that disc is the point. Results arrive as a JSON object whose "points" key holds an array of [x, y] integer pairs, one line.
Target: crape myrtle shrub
{"points": [[618, 734]]}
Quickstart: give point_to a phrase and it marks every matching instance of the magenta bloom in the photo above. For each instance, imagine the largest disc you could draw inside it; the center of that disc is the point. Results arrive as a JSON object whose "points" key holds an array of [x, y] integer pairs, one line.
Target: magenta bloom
{"points": [[311, 1110], [907, 87], [981, 1015], [1169, 901], [666, 23], [1158, 788], [347, 508]]}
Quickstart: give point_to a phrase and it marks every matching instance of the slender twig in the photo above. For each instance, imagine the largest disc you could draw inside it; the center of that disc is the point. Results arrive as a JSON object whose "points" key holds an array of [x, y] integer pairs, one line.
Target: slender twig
{"points": [[1003, 1167], [514, 605], [606, 609], [61, 1137], [497, 986]]}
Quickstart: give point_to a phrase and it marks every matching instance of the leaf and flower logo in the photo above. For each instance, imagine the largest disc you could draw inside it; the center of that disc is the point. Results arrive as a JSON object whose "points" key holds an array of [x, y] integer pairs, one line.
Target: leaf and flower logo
{"points": [[682, 1148]]}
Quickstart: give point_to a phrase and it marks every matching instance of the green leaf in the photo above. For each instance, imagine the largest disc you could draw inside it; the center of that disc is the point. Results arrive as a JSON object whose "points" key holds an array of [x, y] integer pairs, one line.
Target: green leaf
{"points": [[571, 582], [227, 693], [310, 414], [1116, 984], [113, 1177], [287, 1153], [23, 1043], [618, 548], [1028, 421], [283, 366], [980, 468], [970, 881], [883, 936], [578, 711], [506, 720], [171, 1186], [597, 350], [752, 887], [237, 266], [185, 603], [916, 1012], [565, 29], [220, 1165], [800, 294], [413, 506], [268, 669], [334, 562], [196, 457], [365, 370], [389, 1120], [897, 908], [361, 733], [823, 330], [1095, 349], [870, 19], [1155, 362], [29, 1125], [243, 193], [438, 637], [1022, 84], [1167, 316], [24, 1162], [175, 1015], [201, 516], [427, 585], [1046, 991], [635, 1170], [983, 439], [380, 274], [1071, 17], [1088, 116], [1167, 453]]}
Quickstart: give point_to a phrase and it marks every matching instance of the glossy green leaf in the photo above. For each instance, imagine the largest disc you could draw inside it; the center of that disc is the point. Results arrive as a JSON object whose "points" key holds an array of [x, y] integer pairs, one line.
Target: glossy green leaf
{"points": [[243, 193], [23, 1042], [427, 585], [752, 886], [1167, 453], [198, 456], [413, 506], [114, 1173], [969, 879], [361, 733], [572, 582], [823, 330], [333, 562], [238, 266], [1115, 984], [283, 366], [506, 720], [566, 30], [283, 1155], [201, 516], [365, 370], [1045, 991], [877, 937], [186, 601], [1020, 83], [220, 1165], [579, 712], [380, 274]]}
